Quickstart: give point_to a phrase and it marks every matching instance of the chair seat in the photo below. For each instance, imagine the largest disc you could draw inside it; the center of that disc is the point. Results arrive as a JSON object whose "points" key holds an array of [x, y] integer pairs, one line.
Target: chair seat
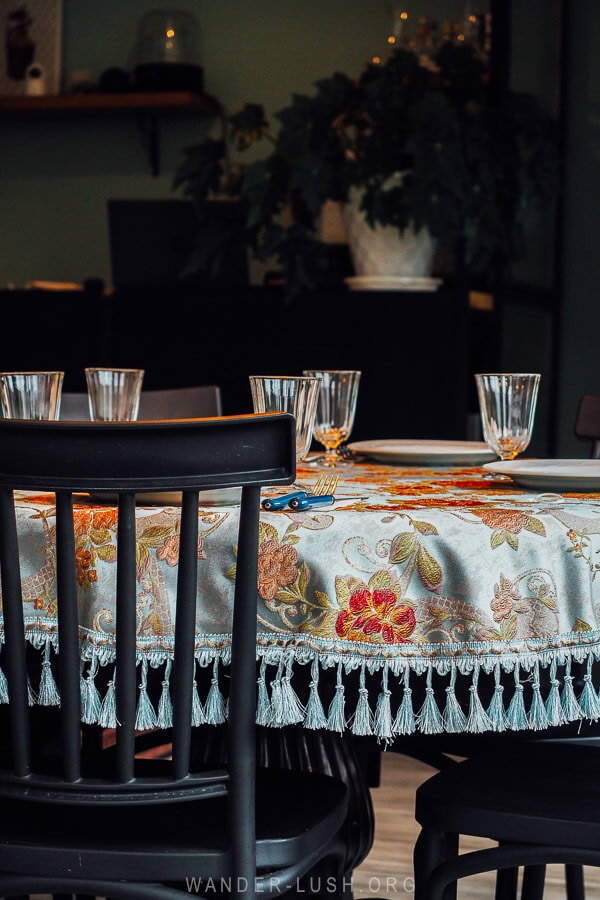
{"points": [[539, 793], [167, 837]]}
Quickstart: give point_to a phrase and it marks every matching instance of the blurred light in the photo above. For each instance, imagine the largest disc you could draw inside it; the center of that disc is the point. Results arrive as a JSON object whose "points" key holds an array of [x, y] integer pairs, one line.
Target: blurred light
{"points": [[404, 15], [472, 19], [376, 60], [170, 33], [460, 37], [391, 39]]}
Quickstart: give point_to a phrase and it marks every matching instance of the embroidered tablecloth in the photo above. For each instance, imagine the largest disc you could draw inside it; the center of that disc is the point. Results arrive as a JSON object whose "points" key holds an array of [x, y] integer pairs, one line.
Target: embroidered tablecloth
{"points": [[440, 576]]}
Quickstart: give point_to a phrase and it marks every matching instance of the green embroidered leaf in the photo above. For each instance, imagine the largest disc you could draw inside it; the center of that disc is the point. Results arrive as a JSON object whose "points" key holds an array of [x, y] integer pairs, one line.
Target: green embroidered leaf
{"points": [[512, 540], [520, 607], [342, 592], [230, 573], [497, 538], [508, 628], [580, 625], [107, 552], [100, 536], [323, 628], [437, 613], [302, 579], [155, 535], [402, 546], [549, 602], [430, 571], [424, 527], [536, 526], [290, 539], [382, 579], [321, 600], [267, 532]]}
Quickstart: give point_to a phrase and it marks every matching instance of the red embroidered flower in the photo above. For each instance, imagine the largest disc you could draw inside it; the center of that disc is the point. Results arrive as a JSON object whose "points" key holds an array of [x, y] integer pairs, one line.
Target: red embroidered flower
{"points": [[504, 596], [169, 550], [276, 567], [376, 613]]}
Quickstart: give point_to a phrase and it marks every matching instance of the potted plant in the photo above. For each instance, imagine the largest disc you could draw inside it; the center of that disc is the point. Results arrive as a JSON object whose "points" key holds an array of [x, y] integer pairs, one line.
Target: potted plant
{"points": [[419, 141]]}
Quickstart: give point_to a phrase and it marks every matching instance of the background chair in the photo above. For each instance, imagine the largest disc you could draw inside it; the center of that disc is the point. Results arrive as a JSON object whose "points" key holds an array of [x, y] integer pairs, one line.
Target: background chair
{"points": [[73, 819], [587, 423], [171, 403]]}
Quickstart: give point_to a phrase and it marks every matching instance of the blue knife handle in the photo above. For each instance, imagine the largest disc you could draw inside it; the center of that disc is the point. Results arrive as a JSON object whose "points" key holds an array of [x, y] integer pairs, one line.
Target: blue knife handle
{"points": [[279, 502], [307, 502]]}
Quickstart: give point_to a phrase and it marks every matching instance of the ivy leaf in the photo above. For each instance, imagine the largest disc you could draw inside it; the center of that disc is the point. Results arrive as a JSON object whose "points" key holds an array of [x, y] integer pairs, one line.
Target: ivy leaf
{"points": [[430, 571], [403, 546], [424, 527]]}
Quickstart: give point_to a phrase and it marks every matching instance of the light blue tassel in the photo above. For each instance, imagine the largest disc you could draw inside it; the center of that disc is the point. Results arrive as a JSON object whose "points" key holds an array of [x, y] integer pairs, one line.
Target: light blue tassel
{"points": [[145, 718], [164, 718], [31, 694], [362, 721], [336, 718], [315, 714], [276, 718], [198, 717], [588, 699], [571, 708], [496, 711], [214, 710], [91, 702], [263, 706], [48, 695], [538, 717], [383, 711], [429, 718], [292, 709], [405, 723], [517, 717], [478, 720], [108, 713], [554, 708], [3, 688], [454, 718]]}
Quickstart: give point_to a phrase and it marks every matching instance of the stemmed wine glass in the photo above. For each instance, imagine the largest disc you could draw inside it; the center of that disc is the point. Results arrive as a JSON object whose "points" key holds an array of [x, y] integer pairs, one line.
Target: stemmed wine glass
{"points": [[336, 406], [507, 403]]}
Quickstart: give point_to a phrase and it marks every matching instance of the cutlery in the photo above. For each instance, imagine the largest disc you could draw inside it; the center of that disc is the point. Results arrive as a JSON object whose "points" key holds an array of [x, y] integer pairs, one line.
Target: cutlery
{"points": [[326, 484], [310, 501]]}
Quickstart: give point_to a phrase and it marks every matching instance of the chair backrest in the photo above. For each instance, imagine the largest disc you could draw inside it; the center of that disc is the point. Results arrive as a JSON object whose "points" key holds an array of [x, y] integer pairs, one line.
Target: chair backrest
{"points": [[587, 422], [126, 458], [170, 403]]}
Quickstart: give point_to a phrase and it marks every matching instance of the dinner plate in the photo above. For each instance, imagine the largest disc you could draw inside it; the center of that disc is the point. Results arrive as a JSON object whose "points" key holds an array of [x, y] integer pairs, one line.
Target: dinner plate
{"points": [[216, 497], [551, 474], [426, 453], [392, 283]]}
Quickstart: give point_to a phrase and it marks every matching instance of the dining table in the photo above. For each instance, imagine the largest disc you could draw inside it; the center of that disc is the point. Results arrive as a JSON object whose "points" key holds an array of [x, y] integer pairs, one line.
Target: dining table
{"points": [[433, 596]]}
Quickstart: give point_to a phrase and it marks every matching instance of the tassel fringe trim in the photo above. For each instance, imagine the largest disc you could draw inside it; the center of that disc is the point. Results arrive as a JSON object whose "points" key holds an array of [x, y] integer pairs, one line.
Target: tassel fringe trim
{"points": [[511, 691]]}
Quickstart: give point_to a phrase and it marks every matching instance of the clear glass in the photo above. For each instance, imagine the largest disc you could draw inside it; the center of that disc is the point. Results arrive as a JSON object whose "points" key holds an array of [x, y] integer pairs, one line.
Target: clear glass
{"points": [[507, 402], [114, 394], [289, 393], [336, 408], [31, 395], [168, 36]]}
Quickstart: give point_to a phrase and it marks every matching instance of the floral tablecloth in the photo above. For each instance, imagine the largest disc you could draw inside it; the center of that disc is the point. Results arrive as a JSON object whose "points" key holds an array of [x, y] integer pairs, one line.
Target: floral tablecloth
{"points": [[439, 577]]}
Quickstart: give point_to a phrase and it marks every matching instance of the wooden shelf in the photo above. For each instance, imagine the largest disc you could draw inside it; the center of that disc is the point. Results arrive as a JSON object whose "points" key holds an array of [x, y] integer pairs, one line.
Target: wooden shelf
{"points": [[152, 102], [147, 106]]}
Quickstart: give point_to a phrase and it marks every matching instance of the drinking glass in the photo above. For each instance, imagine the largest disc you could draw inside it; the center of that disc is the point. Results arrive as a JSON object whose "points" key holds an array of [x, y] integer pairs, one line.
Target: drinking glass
{"points": [[114, 394], [336, 407], [292, 394], [507, 402], [30, 395]]}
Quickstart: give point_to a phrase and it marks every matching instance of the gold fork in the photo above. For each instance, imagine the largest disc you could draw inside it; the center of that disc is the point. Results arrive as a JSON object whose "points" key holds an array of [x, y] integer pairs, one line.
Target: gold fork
{"points": [[326, 484]]}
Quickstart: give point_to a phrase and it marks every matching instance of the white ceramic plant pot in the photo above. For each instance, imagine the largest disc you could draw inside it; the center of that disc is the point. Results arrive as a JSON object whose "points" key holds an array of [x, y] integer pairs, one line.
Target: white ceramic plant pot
{"points": [[382, 251]]}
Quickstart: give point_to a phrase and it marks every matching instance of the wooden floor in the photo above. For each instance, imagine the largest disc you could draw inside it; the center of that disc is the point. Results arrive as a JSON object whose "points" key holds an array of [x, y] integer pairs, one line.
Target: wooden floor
{"points": [[387, 872]]}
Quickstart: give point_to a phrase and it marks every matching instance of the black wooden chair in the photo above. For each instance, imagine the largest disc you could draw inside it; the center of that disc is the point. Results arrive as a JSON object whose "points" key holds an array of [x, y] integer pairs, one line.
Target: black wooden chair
{"points": [[75, 820], [170, 403], [587, 423]]}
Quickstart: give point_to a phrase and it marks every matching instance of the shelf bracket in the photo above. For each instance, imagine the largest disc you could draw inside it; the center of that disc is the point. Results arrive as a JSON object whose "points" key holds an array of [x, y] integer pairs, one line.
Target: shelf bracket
{"points": [[150, 138]]}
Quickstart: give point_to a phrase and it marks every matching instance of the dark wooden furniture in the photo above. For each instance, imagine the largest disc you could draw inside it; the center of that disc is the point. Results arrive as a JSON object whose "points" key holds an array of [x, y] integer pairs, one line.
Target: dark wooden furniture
{"points": [[105, 822]]}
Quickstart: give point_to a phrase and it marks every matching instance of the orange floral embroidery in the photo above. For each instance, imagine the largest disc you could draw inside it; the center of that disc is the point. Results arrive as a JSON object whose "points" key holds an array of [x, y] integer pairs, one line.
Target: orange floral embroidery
{"points": [[105, 518], [85, 572], [83, 521], [170, 550], [504, 599], [276, 567], [511, 520], [374, 613]]}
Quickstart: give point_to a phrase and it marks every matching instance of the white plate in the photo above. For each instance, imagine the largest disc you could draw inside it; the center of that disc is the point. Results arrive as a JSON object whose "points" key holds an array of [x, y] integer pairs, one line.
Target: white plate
{"points": [[216, 497], [551, 474], [426, 453], [392, 283]]}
